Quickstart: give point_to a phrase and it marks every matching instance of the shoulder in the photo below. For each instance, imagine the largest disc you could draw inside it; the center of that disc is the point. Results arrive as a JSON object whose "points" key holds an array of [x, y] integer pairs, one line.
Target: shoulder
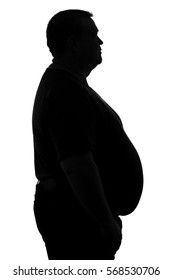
{"points": [[64, 89]]}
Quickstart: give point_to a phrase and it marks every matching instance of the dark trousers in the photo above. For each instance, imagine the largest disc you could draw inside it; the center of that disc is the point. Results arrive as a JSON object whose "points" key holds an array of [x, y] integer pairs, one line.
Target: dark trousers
{"points": [[68, 232]]}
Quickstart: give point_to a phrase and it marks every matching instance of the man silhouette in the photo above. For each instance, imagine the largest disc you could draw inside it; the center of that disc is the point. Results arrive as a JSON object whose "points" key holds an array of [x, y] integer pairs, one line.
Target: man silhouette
{"points": [[88, 171]]}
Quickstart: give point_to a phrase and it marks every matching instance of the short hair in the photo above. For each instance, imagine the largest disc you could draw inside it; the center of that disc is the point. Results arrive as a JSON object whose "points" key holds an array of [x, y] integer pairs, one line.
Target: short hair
{"points": [[61, 26]]}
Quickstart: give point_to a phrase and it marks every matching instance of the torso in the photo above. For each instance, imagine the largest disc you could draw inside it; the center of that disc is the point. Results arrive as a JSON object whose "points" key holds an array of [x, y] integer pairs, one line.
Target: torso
{"points": [[117, 160]]}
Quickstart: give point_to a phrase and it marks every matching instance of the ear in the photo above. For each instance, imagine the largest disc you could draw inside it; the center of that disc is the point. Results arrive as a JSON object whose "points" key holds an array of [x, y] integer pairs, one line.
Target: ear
{"points": [[72, 43]]}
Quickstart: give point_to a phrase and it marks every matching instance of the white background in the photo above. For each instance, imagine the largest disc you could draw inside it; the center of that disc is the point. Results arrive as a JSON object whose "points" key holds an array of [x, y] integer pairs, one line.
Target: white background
{"points": [[135, 78]]}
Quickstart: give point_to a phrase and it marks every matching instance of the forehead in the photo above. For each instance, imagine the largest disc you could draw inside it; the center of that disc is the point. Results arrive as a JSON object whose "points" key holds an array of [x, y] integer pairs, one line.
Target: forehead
{"points": [[89, 25]]}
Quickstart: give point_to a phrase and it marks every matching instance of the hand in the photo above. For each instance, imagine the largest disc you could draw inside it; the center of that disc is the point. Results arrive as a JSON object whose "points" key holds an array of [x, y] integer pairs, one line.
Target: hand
{"points": [[112, 236]]}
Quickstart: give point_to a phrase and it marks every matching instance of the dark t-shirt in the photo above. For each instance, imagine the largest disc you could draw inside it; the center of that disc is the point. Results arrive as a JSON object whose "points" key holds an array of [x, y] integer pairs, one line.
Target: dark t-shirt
{"points": [[69, 118]]}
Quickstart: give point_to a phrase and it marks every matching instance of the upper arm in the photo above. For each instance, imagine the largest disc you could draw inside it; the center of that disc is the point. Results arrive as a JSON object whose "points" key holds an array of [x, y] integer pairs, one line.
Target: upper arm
{"points": [[73, 124]]}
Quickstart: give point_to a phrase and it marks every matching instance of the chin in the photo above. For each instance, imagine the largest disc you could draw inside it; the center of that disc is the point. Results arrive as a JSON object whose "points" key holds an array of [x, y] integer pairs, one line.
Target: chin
{"points": [[100, 60], [95, 63]]}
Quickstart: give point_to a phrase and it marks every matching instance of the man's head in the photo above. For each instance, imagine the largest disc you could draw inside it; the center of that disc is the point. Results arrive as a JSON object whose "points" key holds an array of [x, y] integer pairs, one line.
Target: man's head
{"points": [[74, 32]]}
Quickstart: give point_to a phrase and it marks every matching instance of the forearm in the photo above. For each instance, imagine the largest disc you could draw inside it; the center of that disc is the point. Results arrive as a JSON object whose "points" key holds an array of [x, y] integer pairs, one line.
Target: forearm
{"points": [[86, 183]]}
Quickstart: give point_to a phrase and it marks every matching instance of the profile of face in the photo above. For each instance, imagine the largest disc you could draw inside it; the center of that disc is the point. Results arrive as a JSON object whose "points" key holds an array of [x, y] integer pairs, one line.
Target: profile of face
{"points": [[89, 45]]}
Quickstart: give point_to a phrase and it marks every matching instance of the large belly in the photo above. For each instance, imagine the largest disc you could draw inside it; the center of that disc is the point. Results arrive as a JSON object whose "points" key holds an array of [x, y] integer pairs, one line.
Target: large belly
{"points": [[123, 182]]}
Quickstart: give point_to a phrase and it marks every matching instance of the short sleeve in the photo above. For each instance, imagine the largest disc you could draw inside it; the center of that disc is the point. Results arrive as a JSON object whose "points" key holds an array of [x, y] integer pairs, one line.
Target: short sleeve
{"points": [[72, 121]]}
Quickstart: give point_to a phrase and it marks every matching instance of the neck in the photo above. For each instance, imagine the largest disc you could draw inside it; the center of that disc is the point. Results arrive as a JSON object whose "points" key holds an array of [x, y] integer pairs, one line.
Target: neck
{"points": [[73, 66]]}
